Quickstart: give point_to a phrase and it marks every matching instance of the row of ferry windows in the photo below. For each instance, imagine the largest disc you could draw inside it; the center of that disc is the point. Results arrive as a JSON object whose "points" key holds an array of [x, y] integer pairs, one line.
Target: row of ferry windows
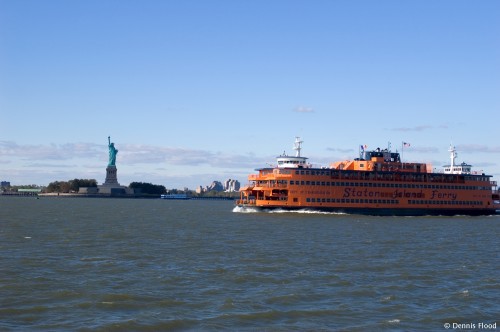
{"points": [[357, 200], [389, 201], [327, 172], [425, 202], [383, 185]]}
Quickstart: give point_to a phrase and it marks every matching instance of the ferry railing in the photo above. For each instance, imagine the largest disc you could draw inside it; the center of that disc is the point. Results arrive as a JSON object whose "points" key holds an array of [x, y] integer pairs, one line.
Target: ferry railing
{"points": [[272, 186], [246, 201]]}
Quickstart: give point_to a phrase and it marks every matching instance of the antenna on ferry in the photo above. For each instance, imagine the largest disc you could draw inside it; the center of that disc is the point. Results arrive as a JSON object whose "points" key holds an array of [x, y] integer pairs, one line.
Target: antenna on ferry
{"points": [[453, 155], [297, 146]]}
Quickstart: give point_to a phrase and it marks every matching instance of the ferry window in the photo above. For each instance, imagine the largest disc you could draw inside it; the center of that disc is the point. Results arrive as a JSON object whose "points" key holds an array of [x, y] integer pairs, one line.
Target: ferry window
{"points": [[308, 183], [323, 200], [307, 172], [292, 182], [322, 183], [308, 199], [297, 172], [295, 199]]}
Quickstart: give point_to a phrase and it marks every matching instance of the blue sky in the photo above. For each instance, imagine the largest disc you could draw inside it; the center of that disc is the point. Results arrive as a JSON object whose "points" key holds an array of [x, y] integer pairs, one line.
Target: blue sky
{"points": [[195, 91]]}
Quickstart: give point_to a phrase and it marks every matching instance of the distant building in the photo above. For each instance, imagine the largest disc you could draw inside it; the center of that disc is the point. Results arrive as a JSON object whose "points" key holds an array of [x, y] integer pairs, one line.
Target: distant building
{"points": [[5, 184], [231, 185], [215, 186]]}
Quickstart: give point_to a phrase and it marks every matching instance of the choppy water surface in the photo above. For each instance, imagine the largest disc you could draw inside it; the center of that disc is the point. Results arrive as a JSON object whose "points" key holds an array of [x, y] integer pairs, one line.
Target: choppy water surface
{"points": [[124, 264]]}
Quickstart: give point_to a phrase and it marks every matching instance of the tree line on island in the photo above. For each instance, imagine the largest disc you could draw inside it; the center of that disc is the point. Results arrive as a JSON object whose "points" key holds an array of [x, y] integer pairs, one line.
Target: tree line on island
{"points": [[70, 186], [73, 186]]}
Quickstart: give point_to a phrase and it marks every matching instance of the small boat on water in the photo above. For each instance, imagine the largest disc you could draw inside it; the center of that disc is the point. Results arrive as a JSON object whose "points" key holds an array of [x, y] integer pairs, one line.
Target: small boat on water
{"points": [[376, 183], [174, 196]]}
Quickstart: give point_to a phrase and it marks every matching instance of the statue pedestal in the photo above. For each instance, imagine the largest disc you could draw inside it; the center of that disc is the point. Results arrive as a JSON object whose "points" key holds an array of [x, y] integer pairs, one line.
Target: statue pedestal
{"points": [[111, 185], [111, 177]]}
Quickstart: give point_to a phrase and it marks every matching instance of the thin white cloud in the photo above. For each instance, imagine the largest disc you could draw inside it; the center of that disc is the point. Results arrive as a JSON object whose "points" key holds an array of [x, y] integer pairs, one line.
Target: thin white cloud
{"points": [[50, 152], [340, 150], [303, 109], [421, 149], [416, 128], [147, 154], [129, 154], [478, 148]]}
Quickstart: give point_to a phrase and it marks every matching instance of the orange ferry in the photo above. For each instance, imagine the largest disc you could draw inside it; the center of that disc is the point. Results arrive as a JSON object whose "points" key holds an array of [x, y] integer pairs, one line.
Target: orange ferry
{"points": [[377, 183]]}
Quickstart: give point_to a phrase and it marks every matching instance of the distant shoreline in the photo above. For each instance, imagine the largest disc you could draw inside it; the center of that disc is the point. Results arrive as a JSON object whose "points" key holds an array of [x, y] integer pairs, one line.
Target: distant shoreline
{"points": [[139, 196]]}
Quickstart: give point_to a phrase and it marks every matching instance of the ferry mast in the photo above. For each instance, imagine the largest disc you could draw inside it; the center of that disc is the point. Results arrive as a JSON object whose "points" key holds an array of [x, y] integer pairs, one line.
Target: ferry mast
{"points": [[297, 146]]}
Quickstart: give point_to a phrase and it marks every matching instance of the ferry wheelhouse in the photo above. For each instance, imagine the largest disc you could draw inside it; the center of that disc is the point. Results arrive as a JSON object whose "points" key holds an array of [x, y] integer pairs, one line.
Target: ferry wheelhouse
{"points": [[376, 183]]}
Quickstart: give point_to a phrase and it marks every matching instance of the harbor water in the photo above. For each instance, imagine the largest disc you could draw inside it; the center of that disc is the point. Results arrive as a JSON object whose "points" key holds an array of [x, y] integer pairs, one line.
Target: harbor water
{"points": [[81, 264]]}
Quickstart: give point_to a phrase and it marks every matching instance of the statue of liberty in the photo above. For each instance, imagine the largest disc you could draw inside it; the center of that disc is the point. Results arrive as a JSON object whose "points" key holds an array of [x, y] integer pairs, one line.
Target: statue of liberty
{"points": [[112, 152]]}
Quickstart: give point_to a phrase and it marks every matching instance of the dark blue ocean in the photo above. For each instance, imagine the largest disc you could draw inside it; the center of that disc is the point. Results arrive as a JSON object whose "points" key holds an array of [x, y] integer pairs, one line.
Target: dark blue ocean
{"points": [[81, 264]]}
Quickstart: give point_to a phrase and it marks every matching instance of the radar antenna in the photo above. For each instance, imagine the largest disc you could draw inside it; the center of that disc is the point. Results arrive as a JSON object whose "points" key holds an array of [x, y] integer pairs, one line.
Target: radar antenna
{"points": [[297, 146], [453, 156]]}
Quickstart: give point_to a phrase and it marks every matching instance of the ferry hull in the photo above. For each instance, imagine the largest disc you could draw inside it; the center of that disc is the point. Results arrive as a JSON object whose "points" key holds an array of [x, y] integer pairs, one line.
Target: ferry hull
{"points": [[378, 211]]}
